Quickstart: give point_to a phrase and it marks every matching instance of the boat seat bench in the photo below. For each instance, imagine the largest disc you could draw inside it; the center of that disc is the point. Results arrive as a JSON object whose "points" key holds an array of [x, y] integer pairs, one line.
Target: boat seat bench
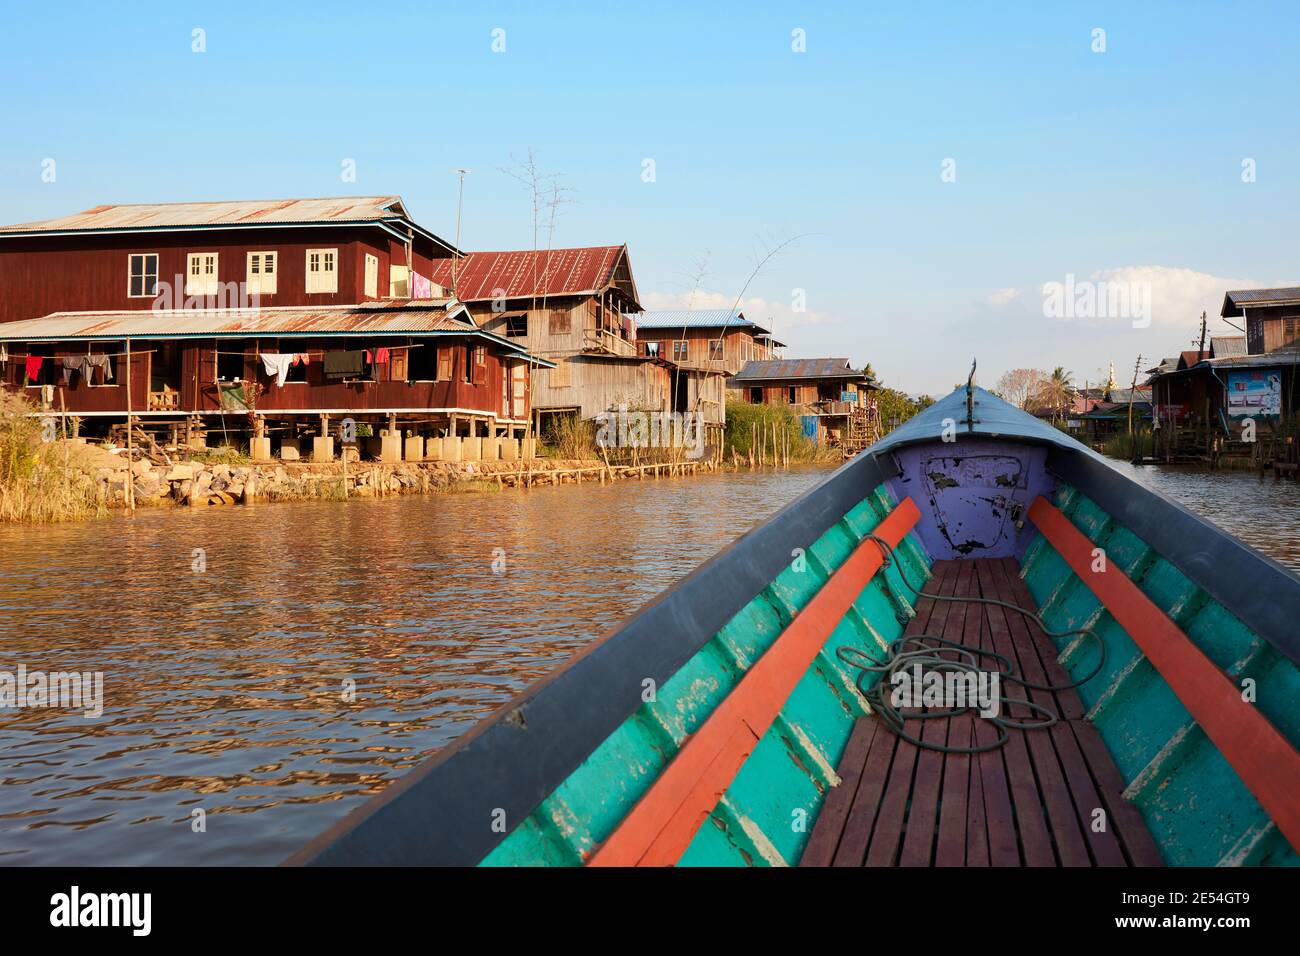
{"points": [[1047, 798]]}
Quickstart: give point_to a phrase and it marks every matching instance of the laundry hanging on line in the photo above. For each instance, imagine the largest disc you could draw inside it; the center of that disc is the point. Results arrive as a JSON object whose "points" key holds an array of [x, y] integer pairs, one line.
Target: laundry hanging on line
{"points": [[344, 364], [380, 357], [99, 361], [73, 363], [277, 365], [32, 370]]}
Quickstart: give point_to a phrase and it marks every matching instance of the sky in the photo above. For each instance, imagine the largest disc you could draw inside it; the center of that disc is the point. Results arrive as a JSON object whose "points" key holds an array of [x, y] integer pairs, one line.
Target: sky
{"points": [[927, 170]]}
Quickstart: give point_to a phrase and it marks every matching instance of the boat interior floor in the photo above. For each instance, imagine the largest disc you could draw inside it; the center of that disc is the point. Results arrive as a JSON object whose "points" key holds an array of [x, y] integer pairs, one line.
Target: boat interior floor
{"points": [[1048, 797]]}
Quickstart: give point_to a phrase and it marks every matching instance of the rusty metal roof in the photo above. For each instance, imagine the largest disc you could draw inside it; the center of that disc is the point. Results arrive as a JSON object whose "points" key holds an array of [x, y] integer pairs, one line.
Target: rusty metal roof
{"points": [[780, 369], [385, 212], [182, 323], [481, 276], [222, 213], [1234, 301]]}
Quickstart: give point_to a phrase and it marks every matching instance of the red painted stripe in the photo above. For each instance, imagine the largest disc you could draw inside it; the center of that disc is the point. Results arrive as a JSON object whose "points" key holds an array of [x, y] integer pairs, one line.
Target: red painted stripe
{"points": [[659, 828], [1265, 760]]}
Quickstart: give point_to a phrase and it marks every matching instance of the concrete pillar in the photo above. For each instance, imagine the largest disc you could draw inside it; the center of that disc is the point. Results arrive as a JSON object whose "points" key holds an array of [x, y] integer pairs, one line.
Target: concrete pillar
{"points": [[491, 449], [413, 449], [259, 449], [509, 448], [322, 448], [471, 449], [290, 449], [433, 449], [528, 447], [451, 448], [390, 446]]}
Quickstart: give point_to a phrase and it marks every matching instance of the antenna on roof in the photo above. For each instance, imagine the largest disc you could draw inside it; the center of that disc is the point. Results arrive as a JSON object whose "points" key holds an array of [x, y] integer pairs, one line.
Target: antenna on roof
{"points": [[460, 202]]}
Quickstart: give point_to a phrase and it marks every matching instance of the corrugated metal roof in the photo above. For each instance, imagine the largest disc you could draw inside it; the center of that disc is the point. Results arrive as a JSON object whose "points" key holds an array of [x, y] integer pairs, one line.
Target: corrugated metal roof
{"points": [[774, 369], [1265, 360], [481, 276], [1191, 357], [222, 213], [180, 323], [1233, 301], [1224, 345], [696, 319]]}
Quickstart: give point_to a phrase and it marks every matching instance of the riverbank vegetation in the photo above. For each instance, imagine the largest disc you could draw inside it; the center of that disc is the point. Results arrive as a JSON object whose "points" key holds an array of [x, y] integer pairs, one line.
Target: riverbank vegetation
{"points": [[768, 430], [40, 481], [894, 407], [569, 437]]}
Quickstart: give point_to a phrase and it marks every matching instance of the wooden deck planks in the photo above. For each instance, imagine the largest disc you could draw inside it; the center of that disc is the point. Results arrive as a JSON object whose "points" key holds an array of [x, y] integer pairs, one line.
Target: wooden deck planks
{"points": [[1033, 802]]}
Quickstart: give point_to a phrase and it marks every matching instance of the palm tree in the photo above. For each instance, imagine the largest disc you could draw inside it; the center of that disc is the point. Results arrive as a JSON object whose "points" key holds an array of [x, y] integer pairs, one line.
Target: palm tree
{"points": [[1058, 391]]}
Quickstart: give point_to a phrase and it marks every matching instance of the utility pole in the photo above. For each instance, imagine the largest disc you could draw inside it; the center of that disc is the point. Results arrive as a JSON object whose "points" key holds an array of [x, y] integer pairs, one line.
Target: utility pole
{"points": [[1133, 388], [460, 203], [1201, 350]]}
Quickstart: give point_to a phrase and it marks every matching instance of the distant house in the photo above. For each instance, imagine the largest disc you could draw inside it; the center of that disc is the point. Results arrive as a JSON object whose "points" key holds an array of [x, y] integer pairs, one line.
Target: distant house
{"points": [[577, 308], [269, 318], [829, 394], [1204, 398], [563, 305], [1238, 377], [716, 340]]}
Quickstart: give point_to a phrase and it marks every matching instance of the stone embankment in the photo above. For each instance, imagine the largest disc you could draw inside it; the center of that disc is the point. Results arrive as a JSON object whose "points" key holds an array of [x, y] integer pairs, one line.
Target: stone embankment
{"points": [[200, 484]]}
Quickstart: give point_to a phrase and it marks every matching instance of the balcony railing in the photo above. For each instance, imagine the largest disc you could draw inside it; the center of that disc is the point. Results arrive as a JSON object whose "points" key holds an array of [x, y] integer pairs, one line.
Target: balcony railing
{"points": [[602, 340]]}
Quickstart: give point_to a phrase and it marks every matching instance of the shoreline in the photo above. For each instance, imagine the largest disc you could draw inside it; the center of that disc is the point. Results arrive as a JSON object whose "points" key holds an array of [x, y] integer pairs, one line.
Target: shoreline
{"points": [[199, 484]]}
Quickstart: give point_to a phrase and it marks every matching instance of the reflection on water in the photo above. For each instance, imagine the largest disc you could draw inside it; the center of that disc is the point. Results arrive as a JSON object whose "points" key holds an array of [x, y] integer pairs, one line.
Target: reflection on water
{"points": [[225, 690], [1264, 513]]}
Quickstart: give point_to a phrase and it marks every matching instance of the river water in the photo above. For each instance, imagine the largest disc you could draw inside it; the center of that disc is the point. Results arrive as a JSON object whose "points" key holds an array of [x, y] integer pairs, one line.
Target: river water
{"points": [[273, 666], [225, 689]]}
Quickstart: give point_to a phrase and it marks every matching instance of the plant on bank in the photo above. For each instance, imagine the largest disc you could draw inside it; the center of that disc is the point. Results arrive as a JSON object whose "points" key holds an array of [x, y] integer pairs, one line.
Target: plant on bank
{"points": [[41, 481], [753, 427]]}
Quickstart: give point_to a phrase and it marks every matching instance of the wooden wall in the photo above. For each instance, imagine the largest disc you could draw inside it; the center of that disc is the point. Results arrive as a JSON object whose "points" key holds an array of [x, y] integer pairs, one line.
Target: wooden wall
{"points": [[486, 394], [40, 275]]}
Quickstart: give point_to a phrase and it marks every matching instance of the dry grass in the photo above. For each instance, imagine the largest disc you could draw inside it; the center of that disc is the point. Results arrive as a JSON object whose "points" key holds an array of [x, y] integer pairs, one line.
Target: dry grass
{"points": [[747, 422], [40, 481], [568, 436]]}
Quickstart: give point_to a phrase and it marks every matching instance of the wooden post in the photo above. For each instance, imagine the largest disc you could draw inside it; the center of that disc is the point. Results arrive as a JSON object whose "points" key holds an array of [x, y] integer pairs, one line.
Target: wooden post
{"points": [[130, 441], [1136, 365]]}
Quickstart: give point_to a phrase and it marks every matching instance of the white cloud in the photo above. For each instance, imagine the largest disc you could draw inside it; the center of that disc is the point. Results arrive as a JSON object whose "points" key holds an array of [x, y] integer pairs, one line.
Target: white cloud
{"points": [[1003, 297], [1168, 296], [762, 311]]}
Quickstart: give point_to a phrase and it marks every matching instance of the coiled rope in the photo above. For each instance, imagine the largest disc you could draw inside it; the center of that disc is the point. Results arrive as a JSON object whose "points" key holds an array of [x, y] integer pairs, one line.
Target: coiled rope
{"points": [[910, 651]]}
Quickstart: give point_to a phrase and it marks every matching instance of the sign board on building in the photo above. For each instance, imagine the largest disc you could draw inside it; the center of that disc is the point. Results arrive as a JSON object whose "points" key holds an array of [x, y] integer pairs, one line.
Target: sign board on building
{"points": [[1255, 393]]}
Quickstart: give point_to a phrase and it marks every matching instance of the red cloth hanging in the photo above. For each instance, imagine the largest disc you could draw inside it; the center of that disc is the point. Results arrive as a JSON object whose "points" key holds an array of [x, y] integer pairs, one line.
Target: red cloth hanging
{"points": [[34, 363]]}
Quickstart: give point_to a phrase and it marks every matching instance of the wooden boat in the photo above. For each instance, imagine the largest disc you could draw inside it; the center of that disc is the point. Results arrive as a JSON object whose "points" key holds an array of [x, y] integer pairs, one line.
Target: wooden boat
{"points": [[734, 719]]}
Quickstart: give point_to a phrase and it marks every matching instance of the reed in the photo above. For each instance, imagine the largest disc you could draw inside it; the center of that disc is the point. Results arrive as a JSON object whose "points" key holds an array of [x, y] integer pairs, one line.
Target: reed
{"points": [[569, 437], [40, 481], [1124, 446], [770, 431]]}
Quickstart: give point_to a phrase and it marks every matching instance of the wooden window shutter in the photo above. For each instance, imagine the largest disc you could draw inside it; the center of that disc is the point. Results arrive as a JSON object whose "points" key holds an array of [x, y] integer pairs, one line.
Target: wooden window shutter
{"points": [[560, 374], [444, 363], [559, 322], [397, 365]]}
